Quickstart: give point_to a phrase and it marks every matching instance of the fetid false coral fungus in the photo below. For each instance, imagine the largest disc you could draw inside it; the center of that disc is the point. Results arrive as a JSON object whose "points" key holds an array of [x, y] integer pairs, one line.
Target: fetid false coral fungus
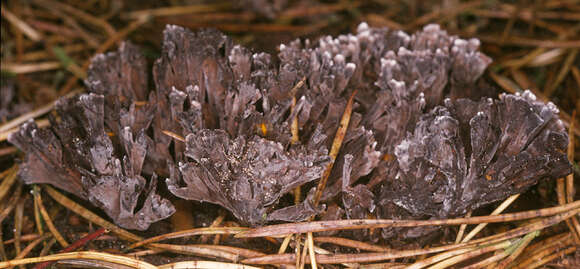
{"points": [[240, 129]]}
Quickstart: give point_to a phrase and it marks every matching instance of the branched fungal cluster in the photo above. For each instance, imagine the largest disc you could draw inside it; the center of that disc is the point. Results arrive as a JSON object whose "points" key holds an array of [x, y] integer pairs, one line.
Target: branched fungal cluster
{"points": [[424, 139]]}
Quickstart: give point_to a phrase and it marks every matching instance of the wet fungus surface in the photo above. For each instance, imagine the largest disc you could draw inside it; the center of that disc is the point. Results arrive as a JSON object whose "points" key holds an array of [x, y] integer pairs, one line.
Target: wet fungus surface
{"points": [[427, 137]]}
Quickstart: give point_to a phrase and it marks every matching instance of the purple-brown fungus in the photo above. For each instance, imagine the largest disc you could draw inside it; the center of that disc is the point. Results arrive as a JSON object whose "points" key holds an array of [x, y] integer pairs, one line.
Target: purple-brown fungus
{"points": [[235, 117], [245, 175], [426, 138], [466, 154], [97, 144]]}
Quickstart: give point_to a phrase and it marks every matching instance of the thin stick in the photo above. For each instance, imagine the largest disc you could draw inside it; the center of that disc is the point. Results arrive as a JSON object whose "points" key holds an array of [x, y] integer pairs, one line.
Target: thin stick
{"points": [[190, 232], [321, 226]]}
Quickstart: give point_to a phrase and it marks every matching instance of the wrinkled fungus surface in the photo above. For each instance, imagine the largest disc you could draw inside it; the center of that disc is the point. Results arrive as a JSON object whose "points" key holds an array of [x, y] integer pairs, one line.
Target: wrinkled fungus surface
{"points": [[425, 139]]}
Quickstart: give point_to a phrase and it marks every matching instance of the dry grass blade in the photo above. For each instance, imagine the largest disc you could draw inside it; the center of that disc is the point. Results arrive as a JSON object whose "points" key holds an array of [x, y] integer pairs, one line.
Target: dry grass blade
{"points": [[75, 245], [8, 151], [216, 223], [85, 213], [176, 10], [496, 212], [462, 229], [563, 73], [545, 259], [570, 178], [375, 257], [505, 83], [352, 244], [47, 247], [3, 254], [556, 241], [37, 213], [11, 204], [104, 47], [48, 220], [8, 180], [18, 218], [117, 259], [204, 264], [546, 58], [294, 126], [385, 265], [24, 238], [30, 115], [521, 246], [446, 12], [21, 25], [80, 14], [336, 144], [529, 42], [30, 247], [285, 244], [440, 257], [191, 232], [311, 251], [198, 250], [17, 68], [320, 226], [174, 135], [4, 134]]}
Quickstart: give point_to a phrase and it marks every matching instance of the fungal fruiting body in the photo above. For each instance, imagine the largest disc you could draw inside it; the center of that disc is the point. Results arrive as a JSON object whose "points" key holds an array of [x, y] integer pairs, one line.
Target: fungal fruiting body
{"points": [[425, 138]]}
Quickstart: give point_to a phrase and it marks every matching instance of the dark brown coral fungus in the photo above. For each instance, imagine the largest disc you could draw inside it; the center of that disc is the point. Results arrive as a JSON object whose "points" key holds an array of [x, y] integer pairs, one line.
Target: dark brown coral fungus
{"points": [[423, 140]]}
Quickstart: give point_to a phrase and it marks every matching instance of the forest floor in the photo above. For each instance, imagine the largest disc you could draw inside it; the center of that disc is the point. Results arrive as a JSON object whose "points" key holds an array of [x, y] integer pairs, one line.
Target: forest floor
{"points": [[46, 48]]}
